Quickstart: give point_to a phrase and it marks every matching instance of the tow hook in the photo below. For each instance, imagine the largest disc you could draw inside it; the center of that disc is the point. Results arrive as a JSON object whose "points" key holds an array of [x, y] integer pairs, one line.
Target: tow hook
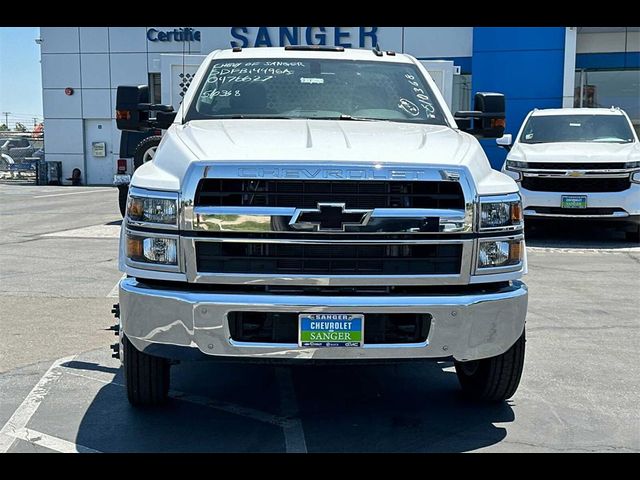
{"points": [[116, 313], [116, 330]]}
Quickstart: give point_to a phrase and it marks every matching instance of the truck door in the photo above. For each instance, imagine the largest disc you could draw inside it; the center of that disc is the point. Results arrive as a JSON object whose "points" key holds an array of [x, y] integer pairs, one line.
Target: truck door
{"points": [[98, 149]]}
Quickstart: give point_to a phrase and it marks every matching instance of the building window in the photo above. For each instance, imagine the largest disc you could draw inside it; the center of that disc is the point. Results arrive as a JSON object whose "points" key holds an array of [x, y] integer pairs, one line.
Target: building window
{"points": [[461, 98], [607, 88], [155, 93]]}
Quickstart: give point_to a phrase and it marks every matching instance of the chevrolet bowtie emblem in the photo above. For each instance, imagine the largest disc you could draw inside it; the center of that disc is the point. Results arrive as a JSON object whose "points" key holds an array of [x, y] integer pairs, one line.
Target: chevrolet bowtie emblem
{"points": [[575, 173], [329, 217]]}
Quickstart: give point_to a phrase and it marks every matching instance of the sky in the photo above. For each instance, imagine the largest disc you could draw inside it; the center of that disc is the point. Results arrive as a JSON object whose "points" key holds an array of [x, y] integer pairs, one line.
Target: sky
{"points": [[20, 77]]}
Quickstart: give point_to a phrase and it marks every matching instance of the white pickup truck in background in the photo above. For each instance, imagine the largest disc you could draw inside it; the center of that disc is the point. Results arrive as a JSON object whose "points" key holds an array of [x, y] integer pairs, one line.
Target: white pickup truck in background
{"points": [[578, 163]]}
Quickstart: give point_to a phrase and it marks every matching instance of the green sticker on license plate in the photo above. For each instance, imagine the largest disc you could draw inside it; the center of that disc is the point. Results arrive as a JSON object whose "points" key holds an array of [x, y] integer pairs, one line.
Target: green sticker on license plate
{"points": [[574, 201], [330, 329]]}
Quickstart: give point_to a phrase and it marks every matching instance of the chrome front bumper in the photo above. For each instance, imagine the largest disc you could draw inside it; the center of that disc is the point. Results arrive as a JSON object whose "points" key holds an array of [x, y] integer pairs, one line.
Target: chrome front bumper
{"points": [[627, 200], [467, 327]]}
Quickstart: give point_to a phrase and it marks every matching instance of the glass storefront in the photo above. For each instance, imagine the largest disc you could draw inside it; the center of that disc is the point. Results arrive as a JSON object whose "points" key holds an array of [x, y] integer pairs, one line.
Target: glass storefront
{"points": [[461, 98], [606, 88]]}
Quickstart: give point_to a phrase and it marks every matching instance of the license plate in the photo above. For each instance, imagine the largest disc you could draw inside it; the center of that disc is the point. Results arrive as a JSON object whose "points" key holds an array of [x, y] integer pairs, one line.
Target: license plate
{"points": [[121, 179], [330, 329], [574, 201]]}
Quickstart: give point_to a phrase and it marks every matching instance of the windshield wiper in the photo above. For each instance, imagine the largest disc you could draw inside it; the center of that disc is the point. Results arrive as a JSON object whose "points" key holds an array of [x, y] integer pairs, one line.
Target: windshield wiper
{"points": [[248, 116], [286, 117], [344, 116]]}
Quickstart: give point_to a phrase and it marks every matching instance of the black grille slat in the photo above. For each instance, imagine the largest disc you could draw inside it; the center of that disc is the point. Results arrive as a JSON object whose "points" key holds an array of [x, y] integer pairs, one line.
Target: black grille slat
{"points": [[577, 211], [307, 194], [274, 258], [282, 327], [575, 185]]}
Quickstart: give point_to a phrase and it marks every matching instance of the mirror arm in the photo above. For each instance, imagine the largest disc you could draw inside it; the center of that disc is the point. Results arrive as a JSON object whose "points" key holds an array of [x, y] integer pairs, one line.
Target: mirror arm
{"points": [[155, 107], [477, 114]]}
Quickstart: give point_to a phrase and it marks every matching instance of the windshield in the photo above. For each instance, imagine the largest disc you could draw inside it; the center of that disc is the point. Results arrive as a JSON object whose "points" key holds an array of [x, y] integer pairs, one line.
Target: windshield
{"points": [[315, 89], [577, 128]]}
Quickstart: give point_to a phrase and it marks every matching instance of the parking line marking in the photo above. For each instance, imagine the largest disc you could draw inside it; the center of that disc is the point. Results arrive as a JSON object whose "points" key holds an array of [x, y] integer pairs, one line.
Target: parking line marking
{"points": [[30, 404], [292, 429], [89, 377], [114, 291], [93, 231], [208, 402], [50, 442], [288, 421], [229, 408], [603, 250], [72, 193]]}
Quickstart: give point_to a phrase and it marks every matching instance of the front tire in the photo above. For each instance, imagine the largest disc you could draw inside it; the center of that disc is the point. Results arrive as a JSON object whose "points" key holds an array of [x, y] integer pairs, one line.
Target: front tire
{"points": [[146, 376], [493, 379]]}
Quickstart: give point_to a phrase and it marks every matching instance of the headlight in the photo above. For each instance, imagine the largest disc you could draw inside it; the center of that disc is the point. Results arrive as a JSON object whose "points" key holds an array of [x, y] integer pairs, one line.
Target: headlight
{"points": [[152, 210], [500, 212], [635, 177], [153, 250], [514, 164], [515, 174], [502, 253]]}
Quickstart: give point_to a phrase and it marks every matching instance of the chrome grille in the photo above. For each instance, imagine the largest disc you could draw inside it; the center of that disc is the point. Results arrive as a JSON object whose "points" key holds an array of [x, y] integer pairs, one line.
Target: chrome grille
{"points": [[576, 166], [255, 224]]}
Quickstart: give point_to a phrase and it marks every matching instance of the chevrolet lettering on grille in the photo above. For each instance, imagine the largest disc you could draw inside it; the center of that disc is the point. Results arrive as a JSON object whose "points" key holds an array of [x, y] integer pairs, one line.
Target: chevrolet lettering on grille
{"points": [[329, 217]]}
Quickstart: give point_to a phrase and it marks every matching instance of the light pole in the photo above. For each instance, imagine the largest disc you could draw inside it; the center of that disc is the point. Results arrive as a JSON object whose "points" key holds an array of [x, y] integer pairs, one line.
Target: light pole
{"points": [[6, 118]]}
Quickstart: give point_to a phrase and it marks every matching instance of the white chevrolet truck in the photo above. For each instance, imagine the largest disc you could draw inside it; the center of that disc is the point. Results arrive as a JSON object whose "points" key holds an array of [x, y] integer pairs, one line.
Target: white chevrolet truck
{"points": [[319, 204], [578, 164]]}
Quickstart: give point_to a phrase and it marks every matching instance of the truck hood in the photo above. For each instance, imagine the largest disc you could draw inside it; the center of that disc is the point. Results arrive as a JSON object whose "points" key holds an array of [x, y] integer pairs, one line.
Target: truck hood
{"points": [[578, 152], [295, 139], [319, 143]]}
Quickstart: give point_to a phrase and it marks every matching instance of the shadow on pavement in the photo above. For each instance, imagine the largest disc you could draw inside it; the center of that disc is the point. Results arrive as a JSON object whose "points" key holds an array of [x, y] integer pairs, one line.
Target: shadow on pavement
{"points": [[395, 408], [576, 234], [96, 367]]}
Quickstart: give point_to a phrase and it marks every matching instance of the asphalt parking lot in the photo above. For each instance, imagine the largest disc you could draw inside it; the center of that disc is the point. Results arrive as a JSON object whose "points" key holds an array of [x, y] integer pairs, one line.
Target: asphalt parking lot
{"points": [[60, 390]]}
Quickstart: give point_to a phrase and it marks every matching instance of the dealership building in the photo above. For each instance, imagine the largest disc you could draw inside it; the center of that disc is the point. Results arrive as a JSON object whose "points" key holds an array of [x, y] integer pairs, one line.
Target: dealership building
{"points": [[535, 67]]}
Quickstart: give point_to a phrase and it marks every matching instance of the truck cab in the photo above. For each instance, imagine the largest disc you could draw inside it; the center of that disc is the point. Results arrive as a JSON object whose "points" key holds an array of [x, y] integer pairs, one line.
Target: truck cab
{"points": [[320, 204]]}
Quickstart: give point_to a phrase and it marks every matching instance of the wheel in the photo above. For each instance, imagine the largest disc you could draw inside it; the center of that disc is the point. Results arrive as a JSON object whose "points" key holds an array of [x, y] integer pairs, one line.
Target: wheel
{"points": [[146, 377], [145, 151], [633, 235], [493, 379], [123, 191]]}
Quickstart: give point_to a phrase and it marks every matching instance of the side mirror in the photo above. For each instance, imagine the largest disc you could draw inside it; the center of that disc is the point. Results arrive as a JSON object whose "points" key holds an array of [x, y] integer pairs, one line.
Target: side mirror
{"points": [[487, 119], [505, 141], [164, 119], [129, 116], [133, 110]]}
